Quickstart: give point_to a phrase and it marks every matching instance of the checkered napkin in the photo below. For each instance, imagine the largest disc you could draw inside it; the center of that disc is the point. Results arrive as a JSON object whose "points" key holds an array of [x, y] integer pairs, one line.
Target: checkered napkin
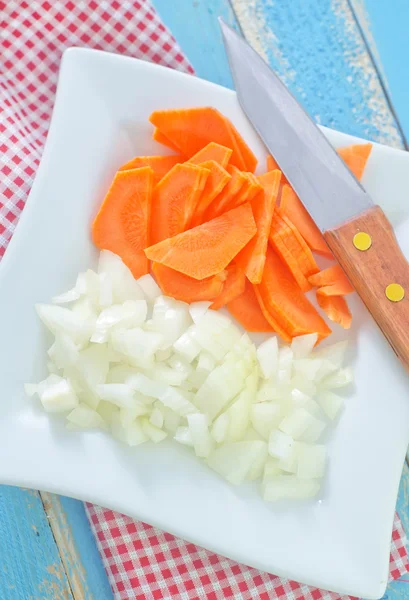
{"points": [[141, 561]]}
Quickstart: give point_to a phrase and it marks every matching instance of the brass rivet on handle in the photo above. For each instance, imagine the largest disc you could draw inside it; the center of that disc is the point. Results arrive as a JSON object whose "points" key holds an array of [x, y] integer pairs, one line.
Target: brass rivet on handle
{"points": [[394, 292], [362, 241]]}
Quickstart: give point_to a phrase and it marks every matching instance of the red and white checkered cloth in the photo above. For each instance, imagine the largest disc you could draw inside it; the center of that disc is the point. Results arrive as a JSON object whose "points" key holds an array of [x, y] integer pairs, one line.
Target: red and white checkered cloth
{"points": [[141, 562]]}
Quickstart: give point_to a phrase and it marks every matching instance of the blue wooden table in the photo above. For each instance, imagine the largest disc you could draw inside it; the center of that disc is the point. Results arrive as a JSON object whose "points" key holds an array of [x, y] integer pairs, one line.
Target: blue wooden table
{"points": [[348, 63]]}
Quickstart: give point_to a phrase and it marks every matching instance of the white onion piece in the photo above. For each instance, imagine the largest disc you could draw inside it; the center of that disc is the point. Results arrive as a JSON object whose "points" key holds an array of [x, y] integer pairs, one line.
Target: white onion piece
{"points": [[335, 354], [311, 462], [156, 418], [220, 427], [279, 444], [239, 416], [303, 345], [155, 434], [206, 362], [314, 431], [267, 354], [186, 346], [197, 310], [234, 460], [57, 395], [265, 416], [220, 387], [171, 318], [340, 378], [120, 394], [149, 287], [137, 345], [284, 366], [183, 436], [296, 422], [199, 432], [330, 403], [85, 417], [107, 410]]}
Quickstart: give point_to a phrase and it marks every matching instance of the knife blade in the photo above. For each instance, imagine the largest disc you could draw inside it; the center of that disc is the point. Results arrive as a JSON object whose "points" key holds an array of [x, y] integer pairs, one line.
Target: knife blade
{"points": [[356, 230]]}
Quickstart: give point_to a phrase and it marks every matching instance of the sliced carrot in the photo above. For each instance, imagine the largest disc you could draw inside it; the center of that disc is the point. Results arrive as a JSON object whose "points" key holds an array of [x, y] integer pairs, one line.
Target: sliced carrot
{"points": [[253, 256], [246, 310], [161, 138], [181, 287], [292, 206], [159, 164], [336, 308], [218, 206], [283, 303], [232, 288], [193, 128], [289, 244], [332, 282], [207, 249], [247, 193], [122, 224], [217, 180], [174, 200], [248, 156], [212, 151], [273, 165], [356, 157]]}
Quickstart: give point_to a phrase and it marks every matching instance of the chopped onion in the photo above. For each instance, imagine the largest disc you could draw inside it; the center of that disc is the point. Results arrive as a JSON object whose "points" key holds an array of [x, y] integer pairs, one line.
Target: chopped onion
{"points": [[146, 366], [267, 354]]}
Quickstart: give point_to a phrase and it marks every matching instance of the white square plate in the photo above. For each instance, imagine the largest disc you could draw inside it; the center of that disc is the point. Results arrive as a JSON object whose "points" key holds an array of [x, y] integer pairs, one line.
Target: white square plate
{"points": [[340, 542]]}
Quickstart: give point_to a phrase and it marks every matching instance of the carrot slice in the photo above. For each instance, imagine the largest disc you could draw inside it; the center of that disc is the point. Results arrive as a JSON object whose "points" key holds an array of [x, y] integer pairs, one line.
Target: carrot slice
{"points": [[238, 180], [122, 224], [248, 156], [246, 310], [292, 206], [215, 183], [207, 249], [233, 286], [247, 193], [332, 282], [253, 256], [284, 305], [356, 157], [161, 138], [174, 200], [181, 287], [336, 308], [159, 164], [193, 128], [290, 245], [212, 151], [273, 165]]}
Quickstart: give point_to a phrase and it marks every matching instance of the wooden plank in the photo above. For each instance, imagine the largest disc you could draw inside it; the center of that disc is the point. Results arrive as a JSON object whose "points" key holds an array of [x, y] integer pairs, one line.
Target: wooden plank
{"points": [[385, 29], [30, 565], [76, 544], [318, 50], [195, 26]]}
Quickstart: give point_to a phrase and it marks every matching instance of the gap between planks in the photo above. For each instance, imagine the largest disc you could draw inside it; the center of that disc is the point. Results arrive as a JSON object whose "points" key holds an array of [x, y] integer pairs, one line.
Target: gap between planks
{"points": [[70, 557]]}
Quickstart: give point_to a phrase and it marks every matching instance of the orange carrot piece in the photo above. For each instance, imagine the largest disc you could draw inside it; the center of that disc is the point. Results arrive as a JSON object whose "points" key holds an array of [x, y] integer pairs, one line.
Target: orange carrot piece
{"points": [[232, 288], [253, 256], [289, 244], [174, 200], [218, 206], [272, 165], [207, 249], [159, 164], [332, 282], [193, 128], [161, 138], [336, 308], [284, 305], [246, 310], [122, 224], [181, 287], [247, 193], [248, 156], [215, 183], [292, 206], [355, 157], [212, 151]]}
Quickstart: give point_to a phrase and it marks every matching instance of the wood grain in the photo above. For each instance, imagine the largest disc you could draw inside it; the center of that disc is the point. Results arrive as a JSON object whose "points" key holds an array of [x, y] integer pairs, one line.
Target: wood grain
{"points": [[372, 270]]}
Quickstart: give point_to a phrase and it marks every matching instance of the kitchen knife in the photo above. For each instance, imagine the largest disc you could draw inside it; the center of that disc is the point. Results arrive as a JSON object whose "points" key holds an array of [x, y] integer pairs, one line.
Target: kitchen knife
{"points": [[357, 231]]}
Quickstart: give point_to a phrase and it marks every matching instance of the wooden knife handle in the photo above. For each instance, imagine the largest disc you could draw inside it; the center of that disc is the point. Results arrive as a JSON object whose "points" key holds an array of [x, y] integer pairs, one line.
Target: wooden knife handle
{"points": [[372, 270]]}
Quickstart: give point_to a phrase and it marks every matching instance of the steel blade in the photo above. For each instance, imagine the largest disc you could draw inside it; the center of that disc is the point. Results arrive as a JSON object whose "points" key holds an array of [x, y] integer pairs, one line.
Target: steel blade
{"points": [[325, 185]]}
